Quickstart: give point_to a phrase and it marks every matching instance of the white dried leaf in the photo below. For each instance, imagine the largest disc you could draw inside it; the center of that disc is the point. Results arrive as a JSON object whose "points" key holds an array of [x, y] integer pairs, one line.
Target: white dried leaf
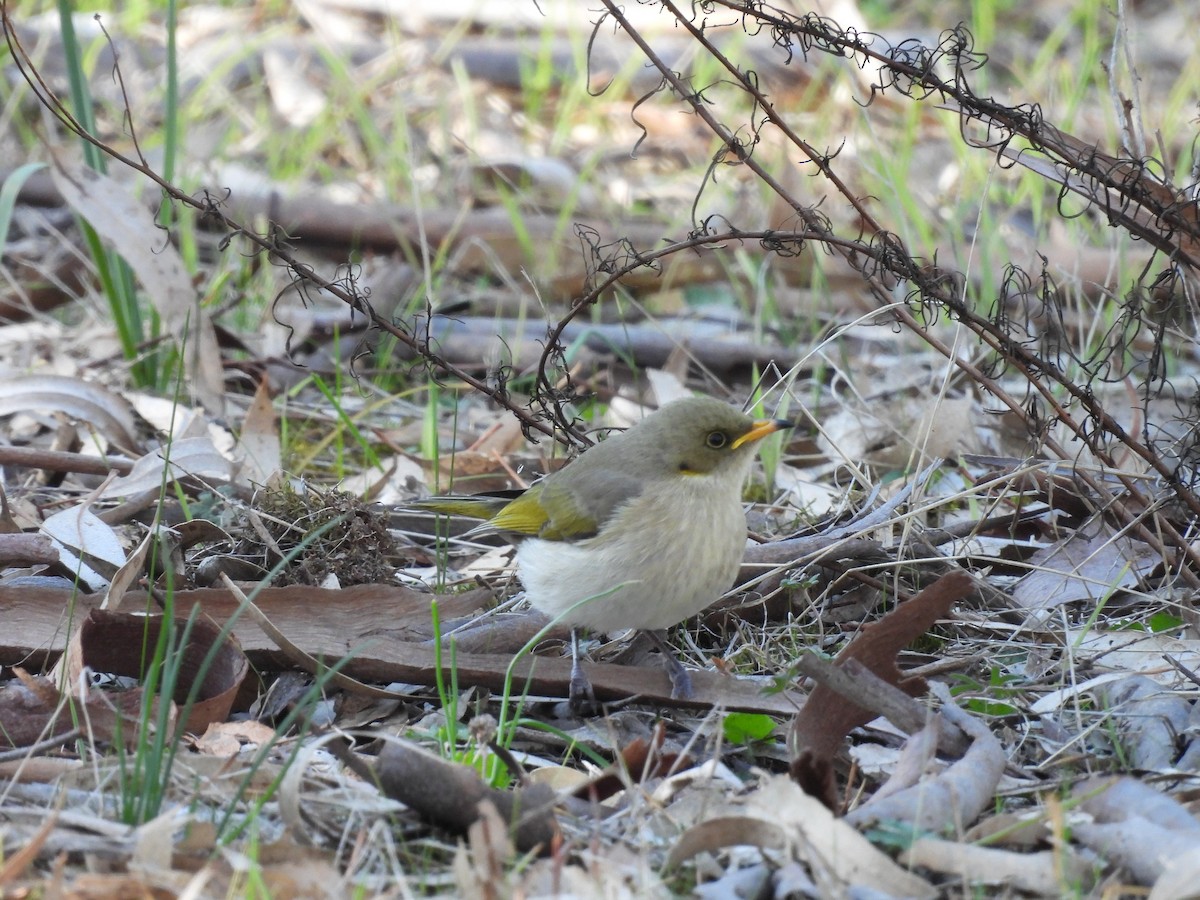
{"points": [[1136, 651], [294, 95], [191, 456], [780, 814], [79, 533], [170, 418], [391, 482], [106, 412]]}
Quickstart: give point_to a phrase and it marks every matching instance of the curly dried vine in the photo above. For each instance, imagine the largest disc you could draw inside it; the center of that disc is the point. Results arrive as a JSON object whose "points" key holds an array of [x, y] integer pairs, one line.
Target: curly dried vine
{"points": [[1129, 193], [272, 243]]}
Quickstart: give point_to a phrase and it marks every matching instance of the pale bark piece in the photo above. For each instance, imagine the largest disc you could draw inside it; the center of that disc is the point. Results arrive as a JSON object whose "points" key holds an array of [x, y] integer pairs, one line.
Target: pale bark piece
{"points": [[1148, 718], [126, 225], [1046, 874], [1189, 759], [1181, 879], [956, 797], [1135, 826], [916, 756], [1116, 799], [1139, 845], [780, 815]]}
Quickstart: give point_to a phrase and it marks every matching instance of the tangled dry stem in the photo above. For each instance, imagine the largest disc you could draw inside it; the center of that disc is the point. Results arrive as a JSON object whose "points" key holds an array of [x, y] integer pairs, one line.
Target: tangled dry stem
{"points": [[1126, 190]]}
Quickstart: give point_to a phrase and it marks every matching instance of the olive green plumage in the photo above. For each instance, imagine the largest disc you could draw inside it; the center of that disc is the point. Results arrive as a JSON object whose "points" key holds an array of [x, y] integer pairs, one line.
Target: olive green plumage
{"points": [[641, 531]]}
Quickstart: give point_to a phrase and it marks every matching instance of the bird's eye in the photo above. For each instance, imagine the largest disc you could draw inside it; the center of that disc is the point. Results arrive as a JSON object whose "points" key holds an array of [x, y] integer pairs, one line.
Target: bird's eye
{"points": [[716, 440]]}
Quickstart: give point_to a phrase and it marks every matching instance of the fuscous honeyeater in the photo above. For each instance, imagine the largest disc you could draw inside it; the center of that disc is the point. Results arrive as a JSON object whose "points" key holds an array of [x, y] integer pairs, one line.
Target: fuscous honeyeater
{"points": [[641, 531]]}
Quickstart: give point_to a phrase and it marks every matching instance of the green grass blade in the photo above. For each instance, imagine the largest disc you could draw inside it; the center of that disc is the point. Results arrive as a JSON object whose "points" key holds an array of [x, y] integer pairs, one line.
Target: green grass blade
{"points": [[8, 197]]}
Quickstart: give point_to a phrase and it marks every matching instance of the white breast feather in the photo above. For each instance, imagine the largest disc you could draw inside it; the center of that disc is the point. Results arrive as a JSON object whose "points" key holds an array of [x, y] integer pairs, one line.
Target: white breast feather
{"points": [[663, 570]]}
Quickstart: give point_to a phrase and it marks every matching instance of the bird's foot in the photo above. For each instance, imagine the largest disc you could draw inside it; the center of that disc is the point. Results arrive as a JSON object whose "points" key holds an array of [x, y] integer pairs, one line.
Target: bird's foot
{"points": [[681, 681], [580, 696]]}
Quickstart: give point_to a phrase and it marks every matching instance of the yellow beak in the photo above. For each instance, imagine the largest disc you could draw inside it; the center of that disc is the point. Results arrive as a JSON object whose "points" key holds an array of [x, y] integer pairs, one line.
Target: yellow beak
{"points": [[760, 429]]}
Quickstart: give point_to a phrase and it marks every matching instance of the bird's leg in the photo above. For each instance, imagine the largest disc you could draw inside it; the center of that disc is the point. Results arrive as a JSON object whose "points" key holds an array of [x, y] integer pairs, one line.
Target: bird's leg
{"points": [[579, 690], [681, 681]]}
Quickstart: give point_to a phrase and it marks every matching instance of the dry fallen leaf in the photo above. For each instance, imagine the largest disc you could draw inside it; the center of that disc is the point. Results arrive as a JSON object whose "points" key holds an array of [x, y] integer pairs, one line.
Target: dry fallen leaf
{"points": [[1089, 563], [259, 441], [196, 456], [127, 225], [779, 815], [84, 541], [101, 409], [228, 739]]}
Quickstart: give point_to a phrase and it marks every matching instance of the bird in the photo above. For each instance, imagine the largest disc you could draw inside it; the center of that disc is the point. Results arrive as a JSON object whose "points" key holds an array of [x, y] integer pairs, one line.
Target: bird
{"points": [[643, 530]]}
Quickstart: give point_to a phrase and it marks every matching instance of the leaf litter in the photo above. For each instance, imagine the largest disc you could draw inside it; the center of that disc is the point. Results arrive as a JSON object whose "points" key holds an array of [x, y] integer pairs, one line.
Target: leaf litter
{"points": [[1074, 700]]}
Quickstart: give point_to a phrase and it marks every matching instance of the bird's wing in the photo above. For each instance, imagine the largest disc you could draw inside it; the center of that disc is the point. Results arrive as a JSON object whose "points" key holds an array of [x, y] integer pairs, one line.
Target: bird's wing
{"points": [[566, 509], [581, 508]]}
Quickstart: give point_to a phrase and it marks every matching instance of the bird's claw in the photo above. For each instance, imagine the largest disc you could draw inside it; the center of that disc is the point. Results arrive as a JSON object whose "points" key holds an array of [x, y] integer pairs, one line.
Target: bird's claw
{"points": [[580, 696]]}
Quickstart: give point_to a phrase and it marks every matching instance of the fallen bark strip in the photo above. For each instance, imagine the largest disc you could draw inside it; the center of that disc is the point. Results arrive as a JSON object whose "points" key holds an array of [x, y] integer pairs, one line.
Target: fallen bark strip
{"points": [[480, 240], [956, 796], [36, 623], [385, 630], [471, 341], [1135, 826], [1043, 874]]}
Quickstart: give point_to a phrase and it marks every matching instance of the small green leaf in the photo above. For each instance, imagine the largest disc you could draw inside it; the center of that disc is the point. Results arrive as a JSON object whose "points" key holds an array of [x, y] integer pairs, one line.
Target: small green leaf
{"points": [[744, 728], [991, 708], [1164, 621]]}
